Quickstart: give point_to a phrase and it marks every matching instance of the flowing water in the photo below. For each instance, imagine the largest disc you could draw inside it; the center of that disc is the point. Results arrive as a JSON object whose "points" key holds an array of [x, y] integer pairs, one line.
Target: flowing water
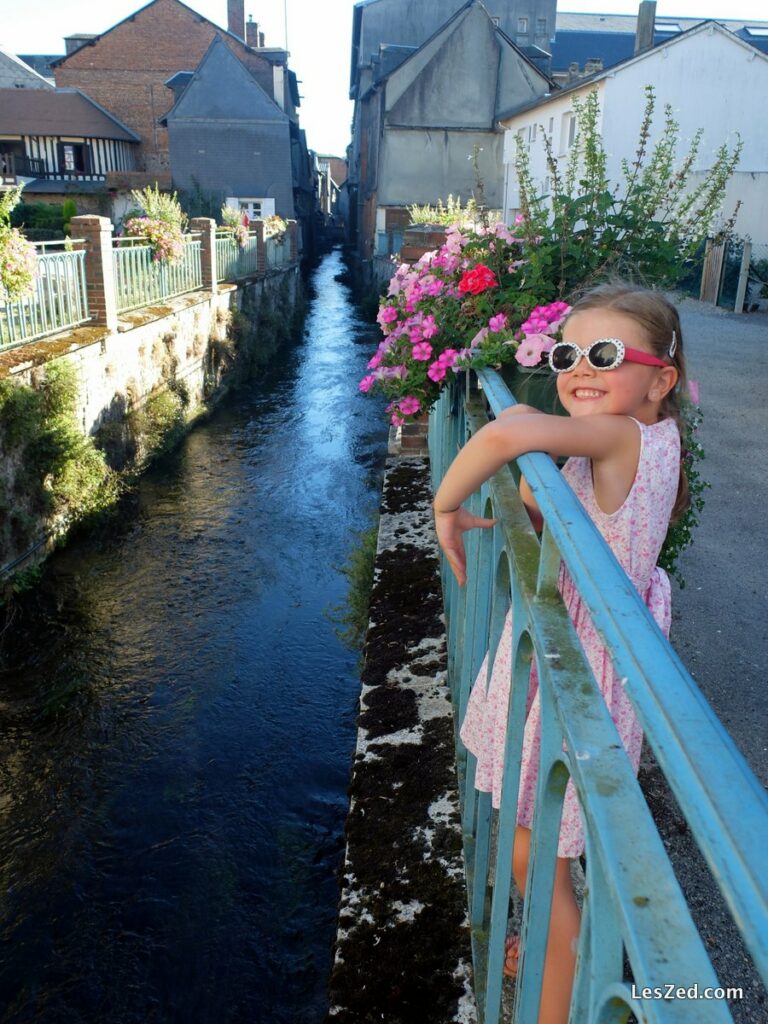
{"points": [[177, 717]]}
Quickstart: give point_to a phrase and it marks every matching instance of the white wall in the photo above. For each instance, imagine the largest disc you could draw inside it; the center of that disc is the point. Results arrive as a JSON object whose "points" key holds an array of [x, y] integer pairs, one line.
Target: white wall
{"points": [[712, 81]]}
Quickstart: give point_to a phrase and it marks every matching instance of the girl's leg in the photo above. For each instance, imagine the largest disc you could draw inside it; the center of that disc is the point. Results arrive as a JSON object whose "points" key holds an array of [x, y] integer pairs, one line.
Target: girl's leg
{"points": [[560, 962]]}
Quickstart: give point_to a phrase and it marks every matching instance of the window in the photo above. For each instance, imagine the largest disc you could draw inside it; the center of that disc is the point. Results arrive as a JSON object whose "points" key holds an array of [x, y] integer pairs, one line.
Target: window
{"points": [[532, 133], [551, 126], [254, 208], [567, 132], [74, 158], [522, 25], [541, 26], [756, 30]]}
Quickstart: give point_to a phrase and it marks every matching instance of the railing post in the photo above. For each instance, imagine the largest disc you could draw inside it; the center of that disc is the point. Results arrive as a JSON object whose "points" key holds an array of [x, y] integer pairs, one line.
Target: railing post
{"points": [[207, 228], [261, 249], [96, 233]]}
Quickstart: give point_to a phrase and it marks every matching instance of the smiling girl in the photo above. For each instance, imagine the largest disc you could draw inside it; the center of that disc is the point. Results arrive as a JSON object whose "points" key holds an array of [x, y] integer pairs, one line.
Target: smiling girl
{"points": [[620, 374]]}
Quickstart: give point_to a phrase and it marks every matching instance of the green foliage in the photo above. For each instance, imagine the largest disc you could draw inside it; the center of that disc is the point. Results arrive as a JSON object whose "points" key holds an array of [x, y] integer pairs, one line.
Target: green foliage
{"points": [[358, 568], [59, 471], [159, 423], [162, 206], [450, 212], [646, 228], [198, 202], [48, 217], [680, 534]]}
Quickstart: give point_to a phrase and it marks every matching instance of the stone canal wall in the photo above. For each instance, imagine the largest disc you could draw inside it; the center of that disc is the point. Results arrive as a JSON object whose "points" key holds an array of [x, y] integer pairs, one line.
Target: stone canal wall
{"points": [[402, 952], [133, 391]]}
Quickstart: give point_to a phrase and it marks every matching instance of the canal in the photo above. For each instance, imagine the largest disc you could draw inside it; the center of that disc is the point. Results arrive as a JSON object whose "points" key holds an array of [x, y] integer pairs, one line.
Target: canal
{"points": [[177, 716]]}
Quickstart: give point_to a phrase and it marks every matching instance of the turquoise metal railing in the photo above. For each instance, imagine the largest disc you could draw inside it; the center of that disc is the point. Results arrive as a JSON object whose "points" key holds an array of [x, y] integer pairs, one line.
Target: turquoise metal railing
{"points": [[58, 300], [277, 251], [234, 261], [141, 281], [633, 903]]}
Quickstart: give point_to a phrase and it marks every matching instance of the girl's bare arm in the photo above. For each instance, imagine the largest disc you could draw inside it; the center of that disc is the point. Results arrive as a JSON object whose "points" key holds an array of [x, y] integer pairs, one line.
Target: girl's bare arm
{"points": [[601, 438]]}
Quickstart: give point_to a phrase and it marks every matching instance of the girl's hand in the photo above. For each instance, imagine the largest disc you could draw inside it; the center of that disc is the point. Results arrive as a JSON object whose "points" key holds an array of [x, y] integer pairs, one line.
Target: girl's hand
{"points": [[450, 527]]}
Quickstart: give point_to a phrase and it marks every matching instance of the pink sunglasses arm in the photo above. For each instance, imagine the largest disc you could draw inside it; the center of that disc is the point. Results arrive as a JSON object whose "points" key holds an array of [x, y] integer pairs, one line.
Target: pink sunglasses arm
{"points": [[636, 355]]}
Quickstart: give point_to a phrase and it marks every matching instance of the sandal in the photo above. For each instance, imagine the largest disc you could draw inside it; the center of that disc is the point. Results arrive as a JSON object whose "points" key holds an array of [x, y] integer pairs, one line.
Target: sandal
{"points": [[511, 956]]}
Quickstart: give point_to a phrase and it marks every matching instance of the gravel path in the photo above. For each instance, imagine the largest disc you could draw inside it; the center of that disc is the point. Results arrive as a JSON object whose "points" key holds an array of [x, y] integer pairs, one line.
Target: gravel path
{"points": [[720, 621]]}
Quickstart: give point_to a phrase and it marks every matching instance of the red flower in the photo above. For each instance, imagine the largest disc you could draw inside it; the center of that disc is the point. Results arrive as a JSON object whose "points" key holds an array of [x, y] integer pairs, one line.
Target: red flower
{"points": [[477, 280]]}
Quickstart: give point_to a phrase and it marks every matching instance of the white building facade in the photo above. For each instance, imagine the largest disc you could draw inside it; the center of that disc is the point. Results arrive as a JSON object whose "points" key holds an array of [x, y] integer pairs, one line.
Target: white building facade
{"points": [[711, 78]]}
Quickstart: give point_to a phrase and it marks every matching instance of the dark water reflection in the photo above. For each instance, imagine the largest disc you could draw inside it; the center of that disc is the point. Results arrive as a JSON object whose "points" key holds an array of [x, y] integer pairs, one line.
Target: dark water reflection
{"points": [[177, 718]]}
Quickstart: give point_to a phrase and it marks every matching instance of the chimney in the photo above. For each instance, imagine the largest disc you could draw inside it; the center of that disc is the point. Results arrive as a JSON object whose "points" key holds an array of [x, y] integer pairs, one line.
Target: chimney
{"points": [[236, 18], [593, 66], [252, 32], [261, 39], [72, 43], [646, 24]]}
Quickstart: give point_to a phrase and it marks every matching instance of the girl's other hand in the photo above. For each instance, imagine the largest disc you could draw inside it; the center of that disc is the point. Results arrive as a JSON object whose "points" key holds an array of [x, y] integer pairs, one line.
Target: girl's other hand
{"points": [[450, 527]]}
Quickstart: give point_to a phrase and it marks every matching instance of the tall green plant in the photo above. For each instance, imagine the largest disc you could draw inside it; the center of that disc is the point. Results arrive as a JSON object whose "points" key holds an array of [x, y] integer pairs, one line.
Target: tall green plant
{"points": [[646, 227]]}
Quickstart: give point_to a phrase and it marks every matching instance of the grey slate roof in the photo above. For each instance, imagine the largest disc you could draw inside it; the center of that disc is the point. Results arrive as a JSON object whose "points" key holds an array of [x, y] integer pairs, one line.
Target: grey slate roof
{"points": [[58, 112], [40, 62], [628, 22]]}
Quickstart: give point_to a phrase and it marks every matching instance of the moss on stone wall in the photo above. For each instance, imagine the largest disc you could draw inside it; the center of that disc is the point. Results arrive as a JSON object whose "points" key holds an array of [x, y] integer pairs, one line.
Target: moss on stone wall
{"points": [[53, 474]]}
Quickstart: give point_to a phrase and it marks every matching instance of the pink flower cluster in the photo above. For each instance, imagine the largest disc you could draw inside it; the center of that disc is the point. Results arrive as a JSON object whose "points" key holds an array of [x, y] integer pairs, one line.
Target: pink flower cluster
{"points": [[546, 319], [165, 239], [18, 264], [458, 306], [539, 332]]}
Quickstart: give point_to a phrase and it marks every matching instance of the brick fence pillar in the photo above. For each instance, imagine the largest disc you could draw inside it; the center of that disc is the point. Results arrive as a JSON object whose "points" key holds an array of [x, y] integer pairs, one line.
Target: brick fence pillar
{"points": [[207, 228], [293, 241], [96, 233], [261, 250], [413, 436]]}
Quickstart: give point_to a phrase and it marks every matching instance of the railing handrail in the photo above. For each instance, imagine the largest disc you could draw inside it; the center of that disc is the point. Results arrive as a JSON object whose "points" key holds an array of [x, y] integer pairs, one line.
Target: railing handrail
{"points": [[625, 855], [58, 241], [688, 727], [189, 236]]}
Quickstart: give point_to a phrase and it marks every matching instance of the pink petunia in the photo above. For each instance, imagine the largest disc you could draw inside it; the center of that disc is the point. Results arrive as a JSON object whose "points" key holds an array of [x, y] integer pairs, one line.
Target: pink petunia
{"points": [[530, 351], [497, 323], [429, 327], [409, 405], [448, 357], [422, 351], [375, 361], [479, 338], [386, 315], [436, 372], [367, 383], [397, 420]]}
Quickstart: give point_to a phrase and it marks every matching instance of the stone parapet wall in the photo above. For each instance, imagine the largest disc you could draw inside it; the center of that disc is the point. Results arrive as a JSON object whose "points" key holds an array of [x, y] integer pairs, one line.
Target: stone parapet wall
{"points": [[402, 949], [193, 348]]}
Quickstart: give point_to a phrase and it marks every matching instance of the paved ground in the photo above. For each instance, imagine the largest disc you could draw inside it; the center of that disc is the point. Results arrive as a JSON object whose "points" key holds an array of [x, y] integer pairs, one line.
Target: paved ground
{"points": [[720, 623]]}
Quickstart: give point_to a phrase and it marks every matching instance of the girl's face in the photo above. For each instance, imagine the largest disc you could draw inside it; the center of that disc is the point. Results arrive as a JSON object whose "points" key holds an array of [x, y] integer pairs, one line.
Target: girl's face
{"points": [[631, 390]]}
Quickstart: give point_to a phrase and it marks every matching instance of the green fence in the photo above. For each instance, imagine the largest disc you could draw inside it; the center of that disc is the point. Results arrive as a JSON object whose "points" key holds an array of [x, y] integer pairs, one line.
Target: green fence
{"points": [[142, 281], [58, 300]]}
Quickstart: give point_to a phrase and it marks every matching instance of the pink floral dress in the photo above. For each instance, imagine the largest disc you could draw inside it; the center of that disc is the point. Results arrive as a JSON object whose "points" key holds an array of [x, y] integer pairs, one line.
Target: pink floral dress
{"points": [[635, 532]]}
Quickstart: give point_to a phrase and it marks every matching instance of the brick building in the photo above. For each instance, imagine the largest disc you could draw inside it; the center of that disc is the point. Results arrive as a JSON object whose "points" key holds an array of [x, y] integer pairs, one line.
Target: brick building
{"points": [[126, 68]]}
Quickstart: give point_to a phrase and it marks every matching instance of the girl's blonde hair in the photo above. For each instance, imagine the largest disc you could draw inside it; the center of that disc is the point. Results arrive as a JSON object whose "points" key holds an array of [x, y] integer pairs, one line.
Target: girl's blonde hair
{"points": [[661, 323]]}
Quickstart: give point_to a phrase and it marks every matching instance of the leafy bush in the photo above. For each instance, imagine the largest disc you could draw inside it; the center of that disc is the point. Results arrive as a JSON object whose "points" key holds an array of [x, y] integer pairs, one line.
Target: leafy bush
{"points": [[18, 258], [450, 212], [162, 223], [646, 227]]}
